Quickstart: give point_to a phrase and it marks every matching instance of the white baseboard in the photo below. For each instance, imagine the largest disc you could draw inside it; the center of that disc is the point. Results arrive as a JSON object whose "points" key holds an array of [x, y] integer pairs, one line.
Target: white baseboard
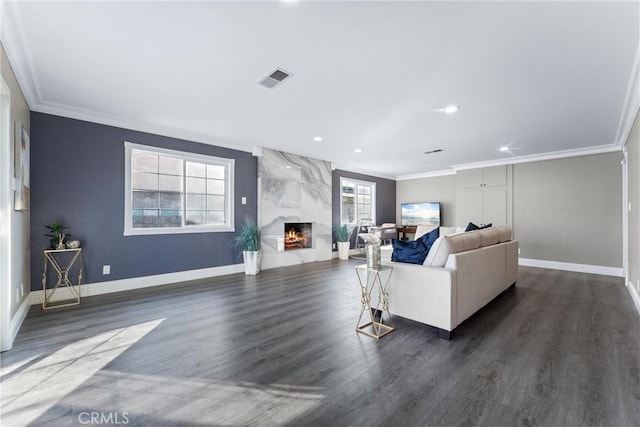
{"points": [[634, 295], [100, 288], [567, 266], [16, 322]]}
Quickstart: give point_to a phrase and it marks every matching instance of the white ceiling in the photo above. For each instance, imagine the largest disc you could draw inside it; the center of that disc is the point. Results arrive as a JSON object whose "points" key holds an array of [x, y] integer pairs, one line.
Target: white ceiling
{"points": [[539, 77]]}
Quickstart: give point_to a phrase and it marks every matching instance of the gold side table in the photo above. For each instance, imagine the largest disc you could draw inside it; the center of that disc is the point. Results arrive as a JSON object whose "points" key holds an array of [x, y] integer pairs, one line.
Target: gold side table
{"points": [[64, 263], [372, 284]]}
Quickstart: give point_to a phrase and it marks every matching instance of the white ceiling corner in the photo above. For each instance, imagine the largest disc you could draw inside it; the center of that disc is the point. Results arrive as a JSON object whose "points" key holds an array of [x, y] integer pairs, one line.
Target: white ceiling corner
{"points": [[631, 102], [18, 52]]}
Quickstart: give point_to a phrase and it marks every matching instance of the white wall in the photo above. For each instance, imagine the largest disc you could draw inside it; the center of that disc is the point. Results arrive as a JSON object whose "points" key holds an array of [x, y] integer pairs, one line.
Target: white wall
{"points": [[19, 282], [570, 210], [437, 189]]}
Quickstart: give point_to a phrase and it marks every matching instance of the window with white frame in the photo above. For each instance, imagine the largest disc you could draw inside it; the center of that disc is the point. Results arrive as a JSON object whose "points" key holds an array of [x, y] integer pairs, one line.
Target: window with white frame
{"points": [[168, 191], [357, 200]]}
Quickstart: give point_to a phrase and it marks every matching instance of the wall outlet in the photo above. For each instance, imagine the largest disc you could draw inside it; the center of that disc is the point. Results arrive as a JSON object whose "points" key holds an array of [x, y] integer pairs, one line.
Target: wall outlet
{"points": [[106, 269], [335, 246], [244, 200], [21, 290], [518, 251]]}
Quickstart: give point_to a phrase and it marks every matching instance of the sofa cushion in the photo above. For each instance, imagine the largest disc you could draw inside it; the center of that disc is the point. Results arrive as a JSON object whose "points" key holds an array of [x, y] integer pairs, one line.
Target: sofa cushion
{"points": [[488, 236], [438, 254], [451, 244], [446, 231], [430, 237], [505, 233], [471, 226], [421, 230], [411, 252], [465, 241]]}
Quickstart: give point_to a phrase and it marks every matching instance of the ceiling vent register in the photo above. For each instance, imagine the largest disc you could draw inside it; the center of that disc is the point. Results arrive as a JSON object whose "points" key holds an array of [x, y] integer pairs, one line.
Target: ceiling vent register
{"points": [[275, 78]]}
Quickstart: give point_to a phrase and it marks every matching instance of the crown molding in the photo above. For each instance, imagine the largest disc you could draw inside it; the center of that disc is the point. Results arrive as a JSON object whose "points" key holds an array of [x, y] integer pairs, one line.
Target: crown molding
{"points": [[337, 166], [553, 155], [256, 151], [138, 125], [631, 104], [434, 174], [18, 52], [601, 149]]}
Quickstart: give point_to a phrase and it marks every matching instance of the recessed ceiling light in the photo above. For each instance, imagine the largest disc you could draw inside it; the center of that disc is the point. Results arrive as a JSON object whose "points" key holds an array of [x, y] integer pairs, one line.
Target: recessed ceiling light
{"points": [[504, 148], [451, 109], [317, 139], [288, 166], [357, 150]]}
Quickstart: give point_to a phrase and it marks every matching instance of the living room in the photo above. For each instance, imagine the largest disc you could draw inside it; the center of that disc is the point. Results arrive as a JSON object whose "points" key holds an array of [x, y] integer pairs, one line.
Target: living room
{"points": [[571, 193]]}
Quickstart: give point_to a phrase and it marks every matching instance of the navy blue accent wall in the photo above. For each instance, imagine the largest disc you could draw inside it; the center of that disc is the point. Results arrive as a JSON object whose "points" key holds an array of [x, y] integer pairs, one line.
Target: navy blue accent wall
{"points": [[385, 197], [77, 178]]}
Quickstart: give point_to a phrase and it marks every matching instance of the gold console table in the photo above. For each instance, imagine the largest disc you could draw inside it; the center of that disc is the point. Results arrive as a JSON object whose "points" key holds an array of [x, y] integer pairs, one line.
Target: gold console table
{"points": [[63, 262], [371, 282]]}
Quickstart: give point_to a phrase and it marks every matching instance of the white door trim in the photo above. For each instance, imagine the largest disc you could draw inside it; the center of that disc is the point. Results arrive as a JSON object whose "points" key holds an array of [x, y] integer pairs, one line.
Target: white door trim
{"points": [[6, 335]]}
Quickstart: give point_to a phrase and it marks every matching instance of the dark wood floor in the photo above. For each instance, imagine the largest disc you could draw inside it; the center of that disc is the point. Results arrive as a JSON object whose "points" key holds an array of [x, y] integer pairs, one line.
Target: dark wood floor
{"points": [[561, 349]]}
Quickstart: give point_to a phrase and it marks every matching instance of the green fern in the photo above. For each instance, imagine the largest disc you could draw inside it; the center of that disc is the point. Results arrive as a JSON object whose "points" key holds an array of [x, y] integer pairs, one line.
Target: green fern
{"points": [[248, 238], [342, 233]]}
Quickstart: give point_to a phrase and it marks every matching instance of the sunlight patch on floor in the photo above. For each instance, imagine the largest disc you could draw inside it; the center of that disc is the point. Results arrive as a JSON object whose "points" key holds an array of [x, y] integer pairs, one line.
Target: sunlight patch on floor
{"points": [[14, 367], [171, 399], [29, 394]]}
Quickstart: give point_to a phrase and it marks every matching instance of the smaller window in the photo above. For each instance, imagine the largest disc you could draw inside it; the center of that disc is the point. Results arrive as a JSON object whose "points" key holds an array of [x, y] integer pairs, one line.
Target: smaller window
{"points": [[357, 201], [170, 191]]}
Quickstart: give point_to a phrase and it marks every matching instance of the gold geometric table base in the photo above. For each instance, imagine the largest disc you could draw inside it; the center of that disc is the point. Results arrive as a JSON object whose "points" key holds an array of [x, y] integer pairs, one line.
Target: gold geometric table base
{"points": [[63, 262], [377, 328], [373, 284]]}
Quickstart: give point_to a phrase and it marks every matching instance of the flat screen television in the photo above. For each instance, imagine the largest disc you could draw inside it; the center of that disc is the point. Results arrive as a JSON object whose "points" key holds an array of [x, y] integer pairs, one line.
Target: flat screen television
{"points": [[425, 213]]}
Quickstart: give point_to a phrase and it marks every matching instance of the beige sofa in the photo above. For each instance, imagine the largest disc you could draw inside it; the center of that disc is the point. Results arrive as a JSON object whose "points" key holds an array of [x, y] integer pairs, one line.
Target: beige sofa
{"points": [[462, 273]]}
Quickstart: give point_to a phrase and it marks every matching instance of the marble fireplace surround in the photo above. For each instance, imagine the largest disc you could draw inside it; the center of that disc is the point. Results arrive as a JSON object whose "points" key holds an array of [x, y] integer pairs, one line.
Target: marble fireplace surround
{"points": [[293, 188]]}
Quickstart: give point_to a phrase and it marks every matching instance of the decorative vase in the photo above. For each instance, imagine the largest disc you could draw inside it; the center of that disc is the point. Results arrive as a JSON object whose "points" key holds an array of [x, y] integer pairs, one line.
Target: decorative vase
{"points": [[373, 255], [251, 262], [343, 250]]}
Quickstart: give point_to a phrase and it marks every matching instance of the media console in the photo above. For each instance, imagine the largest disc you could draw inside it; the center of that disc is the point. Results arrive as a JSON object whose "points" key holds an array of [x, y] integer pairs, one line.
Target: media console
{"points": [[403, 231]]}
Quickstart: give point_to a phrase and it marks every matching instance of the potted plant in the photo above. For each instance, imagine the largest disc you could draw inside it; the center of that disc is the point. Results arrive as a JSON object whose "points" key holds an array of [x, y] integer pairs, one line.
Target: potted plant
{"points": [[57, 235], [342, 236], [248, 239]]}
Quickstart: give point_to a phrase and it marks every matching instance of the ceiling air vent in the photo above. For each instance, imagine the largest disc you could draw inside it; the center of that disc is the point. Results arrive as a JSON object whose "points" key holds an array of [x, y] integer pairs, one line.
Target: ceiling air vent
{"points": [[275, 78], [433, 151]]}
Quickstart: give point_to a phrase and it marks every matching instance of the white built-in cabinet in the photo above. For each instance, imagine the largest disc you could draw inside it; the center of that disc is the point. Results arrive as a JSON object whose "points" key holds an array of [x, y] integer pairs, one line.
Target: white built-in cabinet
{"points": [[484, 196]]}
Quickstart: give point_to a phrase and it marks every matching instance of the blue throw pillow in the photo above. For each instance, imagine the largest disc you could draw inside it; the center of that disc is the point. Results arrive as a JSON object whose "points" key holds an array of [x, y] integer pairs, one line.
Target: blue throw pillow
{"points": [[430, 237], [471, 226], [412, 252]]}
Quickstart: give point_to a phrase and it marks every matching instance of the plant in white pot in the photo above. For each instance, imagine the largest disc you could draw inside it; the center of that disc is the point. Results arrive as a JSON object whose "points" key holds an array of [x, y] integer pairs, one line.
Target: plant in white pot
{"points": [[342, 236], [248, 239]]}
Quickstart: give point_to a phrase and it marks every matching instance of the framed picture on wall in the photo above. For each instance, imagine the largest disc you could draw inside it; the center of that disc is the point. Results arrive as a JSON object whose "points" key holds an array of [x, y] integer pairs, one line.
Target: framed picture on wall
{"points": [[21, 168]]}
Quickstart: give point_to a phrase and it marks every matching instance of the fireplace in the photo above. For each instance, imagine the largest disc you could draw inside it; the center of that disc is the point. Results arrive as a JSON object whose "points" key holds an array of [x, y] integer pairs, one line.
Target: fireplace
{"points": [[297, 235]]}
